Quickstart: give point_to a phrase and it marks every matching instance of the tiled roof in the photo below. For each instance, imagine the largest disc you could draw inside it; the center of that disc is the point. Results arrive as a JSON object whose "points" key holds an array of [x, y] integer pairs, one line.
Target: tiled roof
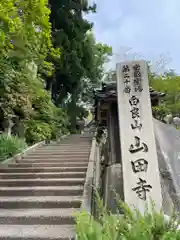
{"points": [[109, 91]]}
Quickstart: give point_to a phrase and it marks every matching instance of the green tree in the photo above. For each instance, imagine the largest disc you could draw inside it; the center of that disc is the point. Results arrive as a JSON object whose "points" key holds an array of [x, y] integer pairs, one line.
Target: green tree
{"points": [[31, 34], [82, 59], [26, 54], [25, 37], [68, 31], [96, 55], [169, 84]]}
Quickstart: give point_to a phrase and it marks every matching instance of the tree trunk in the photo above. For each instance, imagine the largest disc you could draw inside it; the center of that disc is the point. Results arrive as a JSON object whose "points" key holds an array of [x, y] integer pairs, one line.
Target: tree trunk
{"points": [[72, 110]]}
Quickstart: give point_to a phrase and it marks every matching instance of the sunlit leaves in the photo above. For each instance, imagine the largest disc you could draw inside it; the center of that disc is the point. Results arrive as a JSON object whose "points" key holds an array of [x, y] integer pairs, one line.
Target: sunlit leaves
{"points": [[169, 84]]}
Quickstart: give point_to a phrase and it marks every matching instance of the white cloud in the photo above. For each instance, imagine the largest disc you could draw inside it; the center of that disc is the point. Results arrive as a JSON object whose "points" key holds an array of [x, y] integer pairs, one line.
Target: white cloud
{"points": [[148, 27]]}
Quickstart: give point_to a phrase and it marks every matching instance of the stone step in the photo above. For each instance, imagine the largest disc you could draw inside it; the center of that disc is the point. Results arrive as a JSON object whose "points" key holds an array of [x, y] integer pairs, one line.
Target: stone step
{"points": [[37, 232], [43, 169], [41, 182], [42, 191], [58, 157], [40, 194], [52, 154], [64, 149], [70, 150], [59, 164], [40, 202], [57, 160], [71, 145], [55, 154], [35, 216], [42, 175], [64, 146], [80, 145], [72, 142]]}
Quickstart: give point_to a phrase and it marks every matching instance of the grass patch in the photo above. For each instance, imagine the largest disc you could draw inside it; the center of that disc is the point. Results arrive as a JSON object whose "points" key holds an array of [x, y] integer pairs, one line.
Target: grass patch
{"points": [[10, 145]]}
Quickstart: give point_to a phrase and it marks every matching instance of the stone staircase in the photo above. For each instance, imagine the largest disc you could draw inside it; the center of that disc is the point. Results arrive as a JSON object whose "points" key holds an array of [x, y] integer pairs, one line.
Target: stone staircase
{"points": [[39, 194]]}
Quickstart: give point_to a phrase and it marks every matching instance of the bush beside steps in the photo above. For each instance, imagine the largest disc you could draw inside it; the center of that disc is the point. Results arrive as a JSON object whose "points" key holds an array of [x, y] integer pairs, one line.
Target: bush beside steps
{"points": [[10, 146], [130, 226]]}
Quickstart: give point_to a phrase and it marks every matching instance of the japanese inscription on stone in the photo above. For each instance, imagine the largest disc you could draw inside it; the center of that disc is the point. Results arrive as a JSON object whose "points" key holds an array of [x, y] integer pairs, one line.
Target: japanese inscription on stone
{"points": [[138, 150], [137, 81], [139, 165], [134, 102], [138, 146], [127, 88], [142, 188]]}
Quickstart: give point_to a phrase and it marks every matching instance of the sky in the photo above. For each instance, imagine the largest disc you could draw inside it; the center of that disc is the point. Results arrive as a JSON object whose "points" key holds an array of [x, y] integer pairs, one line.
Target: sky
{"points": [[140, 29]]}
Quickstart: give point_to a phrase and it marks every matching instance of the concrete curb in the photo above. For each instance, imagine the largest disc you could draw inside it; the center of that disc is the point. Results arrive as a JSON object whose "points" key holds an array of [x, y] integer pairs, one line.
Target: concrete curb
{"points": [[88, 186], [28, 150]]}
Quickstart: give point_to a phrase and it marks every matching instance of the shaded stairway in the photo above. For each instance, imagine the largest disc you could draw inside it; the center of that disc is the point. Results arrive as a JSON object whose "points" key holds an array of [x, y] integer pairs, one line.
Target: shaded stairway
{"points": [[39, 194]]}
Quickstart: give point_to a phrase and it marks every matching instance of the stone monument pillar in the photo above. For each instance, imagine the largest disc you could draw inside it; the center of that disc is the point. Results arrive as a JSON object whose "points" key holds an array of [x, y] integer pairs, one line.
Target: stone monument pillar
{"points": [[141, 180]]}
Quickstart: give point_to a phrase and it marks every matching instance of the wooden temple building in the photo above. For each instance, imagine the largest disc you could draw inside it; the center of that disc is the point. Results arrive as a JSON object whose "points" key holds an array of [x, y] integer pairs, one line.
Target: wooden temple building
{"points": [[105, 102]]}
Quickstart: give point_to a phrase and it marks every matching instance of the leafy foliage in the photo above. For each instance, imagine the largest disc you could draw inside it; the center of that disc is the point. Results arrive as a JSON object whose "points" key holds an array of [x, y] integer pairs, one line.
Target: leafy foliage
{"points": [[169, 84], [159, 112], [37, 131], [26, 42], [130, 226], [47, 43], [47, 121], [25, 31], [10, 145], [82, 59], [25, 38]]}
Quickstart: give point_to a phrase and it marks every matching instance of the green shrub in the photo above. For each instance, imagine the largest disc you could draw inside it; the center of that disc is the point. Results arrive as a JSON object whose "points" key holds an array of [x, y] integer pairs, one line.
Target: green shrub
{"points": [[47, 121], [37, 131], [129, 226], [10, 145], [159, 112], [60, 123]]}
